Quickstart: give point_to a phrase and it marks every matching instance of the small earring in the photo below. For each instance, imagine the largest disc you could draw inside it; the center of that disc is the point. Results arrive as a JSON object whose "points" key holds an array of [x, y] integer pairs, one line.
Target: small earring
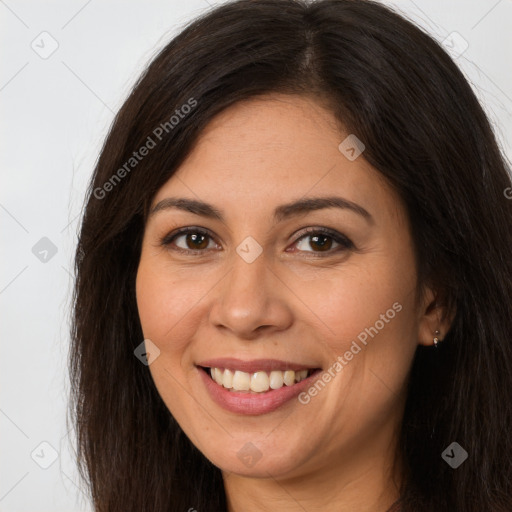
{"points": [[436, 338]]}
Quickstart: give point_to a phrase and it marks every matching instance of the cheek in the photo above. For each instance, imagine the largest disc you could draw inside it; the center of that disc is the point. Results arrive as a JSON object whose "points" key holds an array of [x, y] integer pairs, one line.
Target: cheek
{"points": [[369, 324], [374, 317], [166, 312], [166, 306], [348, 302], [368, 317]]}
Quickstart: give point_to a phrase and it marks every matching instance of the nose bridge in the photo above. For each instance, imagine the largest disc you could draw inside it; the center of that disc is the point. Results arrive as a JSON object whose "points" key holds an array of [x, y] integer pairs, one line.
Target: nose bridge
{"points": [[246, 287], [248, 297]]}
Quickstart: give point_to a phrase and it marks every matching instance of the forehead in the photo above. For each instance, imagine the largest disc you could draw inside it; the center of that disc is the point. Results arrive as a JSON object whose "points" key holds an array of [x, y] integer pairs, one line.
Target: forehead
{"points": [[272, 149]]}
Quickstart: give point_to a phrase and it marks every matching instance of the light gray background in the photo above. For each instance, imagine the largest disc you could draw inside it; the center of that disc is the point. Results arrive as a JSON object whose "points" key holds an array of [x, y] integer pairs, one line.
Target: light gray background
{"points": [[55, 114]]}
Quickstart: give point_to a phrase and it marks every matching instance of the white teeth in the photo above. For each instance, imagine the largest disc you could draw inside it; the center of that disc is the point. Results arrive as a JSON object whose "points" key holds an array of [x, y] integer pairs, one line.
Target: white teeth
{"points": [[276, 380], [301, 375], [289, 377], [241, 381], [258, 382], [218, 376], [227, 379]]}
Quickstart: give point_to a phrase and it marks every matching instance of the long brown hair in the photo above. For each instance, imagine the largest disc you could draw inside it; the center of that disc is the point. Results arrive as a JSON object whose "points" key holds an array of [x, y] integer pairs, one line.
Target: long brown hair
{"points": [[424, 130]]}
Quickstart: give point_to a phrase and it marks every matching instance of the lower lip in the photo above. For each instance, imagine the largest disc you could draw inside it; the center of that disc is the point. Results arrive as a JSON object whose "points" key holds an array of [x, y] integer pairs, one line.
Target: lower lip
{"points": [[254, 403]]}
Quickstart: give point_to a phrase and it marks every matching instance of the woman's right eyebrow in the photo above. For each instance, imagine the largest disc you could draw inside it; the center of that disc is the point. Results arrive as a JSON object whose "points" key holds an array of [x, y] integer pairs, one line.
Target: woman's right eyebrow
{"points": [[282, 212], [189, 205]]}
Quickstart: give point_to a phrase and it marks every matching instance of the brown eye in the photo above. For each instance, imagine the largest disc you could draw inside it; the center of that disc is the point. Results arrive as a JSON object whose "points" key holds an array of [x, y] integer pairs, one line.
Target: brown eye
{"points": [[189, 239], [196, 241], [318, 240], [322, 242]]}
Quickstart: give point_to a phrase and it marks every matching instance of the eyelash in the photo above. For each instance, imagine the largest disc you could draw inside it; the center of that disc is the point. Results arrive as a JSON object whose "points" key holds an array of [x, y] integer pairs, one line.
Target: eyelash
{"points": [[343, 241]]}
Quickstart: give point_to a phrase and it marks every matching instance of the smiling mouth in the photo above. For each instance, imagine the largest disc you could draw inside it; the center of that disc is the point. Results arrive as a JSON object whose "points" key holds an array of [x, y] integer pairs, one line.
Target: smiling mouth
{"points": [[259, 381]]}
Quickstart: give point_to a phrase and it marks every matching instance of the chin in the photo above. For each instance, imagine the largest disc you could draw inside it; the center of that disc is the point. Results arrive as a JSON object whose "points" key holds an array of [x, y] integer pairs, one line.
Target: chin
{"points": [[257, 461]]}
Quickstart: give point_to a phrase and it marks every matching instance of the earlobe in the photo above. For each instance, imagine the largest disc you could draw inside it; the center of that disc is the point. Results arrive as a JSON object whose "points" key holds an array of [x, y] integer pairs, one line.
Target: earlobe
{"points": [[435, 320]]}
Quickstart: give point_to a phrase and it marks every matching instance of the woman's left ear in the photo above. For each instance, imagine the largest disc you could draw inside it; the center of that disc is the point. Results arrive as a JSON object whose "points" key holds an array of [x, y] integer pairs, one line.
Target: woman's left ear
{"points": [[435, 319]]}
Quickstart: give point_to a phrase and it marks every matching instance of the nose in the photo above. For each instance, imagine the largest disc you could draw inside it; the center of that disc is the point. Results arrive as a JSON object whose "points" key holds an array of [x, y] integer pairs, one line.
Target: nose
{"points": [[251, 300]]}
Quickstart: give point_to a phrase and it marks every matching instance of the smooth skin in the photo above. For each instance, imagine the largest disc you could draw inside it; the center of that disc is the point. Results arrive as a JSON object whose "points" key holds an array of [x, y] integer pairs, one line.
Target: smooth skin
{"points": [[303, 299]]}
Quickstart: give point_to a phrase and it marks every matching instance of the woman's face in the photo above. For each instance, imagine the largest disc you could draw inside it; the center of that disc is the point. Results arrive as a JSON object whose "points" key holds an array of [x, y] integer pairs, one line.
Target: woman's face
{"points": [[271, 288]]}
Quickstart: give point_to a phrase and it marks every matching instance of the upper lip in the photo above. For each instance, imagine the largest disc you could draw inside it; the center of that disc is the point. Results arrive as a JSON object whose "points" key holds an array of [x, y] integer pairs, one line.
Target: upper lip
{"points": [[255, 365]]}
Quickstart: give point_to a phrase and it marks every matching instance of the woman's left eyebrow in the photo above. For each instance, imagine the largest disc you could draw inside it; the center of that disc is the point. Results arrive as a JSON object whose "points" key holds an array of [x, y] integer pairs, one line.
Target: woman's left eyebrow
{"points": [[282, 212], [306, 205]]}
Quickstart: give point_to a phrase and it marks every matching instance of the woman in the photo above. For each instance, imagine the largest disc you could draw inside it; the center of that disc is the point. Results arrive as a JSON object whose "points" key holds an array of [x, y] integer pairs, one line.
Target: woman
{"points": [[293, 275]]}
